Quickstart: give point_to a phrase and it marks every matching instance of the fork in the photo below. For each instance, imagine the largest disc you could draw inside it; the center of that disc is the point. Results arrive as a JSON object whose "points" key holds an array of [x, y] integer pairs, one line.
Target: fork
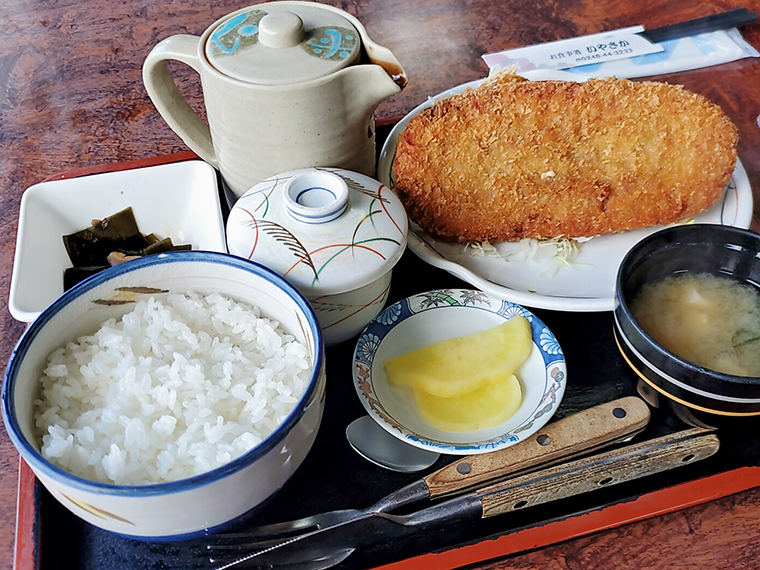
{"points": [[581, 433]]}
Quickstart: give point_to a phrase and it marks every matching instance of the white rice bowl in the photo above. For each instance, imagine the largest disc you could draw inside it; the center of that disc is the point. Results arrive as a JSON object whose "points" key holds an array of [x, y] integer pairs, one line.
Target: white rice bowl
{"points": [[167, 396]]}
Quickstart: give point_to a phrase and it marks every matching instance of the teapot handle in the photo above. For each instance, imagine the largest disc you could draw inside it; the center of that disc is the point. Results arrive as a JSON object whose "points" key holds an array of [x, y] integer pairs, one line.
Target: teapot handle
{"points": [[165, 95]]}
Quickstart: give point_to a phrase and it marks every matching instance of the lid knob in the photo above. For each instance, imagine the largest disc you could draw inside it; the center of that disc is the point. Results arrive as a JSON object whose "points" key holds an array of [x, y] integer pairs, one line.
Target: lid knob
{"points": [[281, 30], [316, 197]]}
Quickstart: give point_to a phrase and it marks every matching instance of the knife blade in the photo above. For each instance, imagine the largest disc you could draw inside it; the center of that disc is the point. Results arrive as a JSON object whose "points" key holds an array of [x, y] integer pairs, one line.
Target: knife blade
{"points": [[549, 484]]}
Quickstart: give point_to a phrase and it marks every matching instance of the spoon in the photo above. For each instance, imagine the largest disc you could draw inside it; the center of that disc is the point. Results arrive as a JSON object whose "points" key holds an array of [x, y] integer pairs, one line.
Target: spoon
{"points": [[377, 446]]}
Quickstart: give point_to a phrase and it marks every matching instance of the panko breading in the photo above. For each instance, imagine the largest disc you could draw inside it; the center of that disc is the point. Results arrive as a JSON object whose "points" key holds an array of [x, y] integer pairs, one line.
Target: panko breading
{"points": [[514, 158]]}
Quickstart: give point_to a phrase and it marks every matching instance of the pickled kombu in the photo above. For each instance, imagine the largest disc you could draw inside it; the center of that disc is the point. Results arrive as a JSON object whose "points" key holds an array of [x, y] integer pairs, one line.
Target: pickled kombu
{"points": [[107, 242]]}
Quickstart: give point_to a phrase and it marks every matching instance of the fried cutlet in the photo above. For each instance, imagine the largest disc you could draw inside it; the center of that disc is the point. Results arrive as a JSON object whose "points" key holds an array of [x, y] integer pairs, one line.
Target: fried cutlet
{"points": [[516, 158]]}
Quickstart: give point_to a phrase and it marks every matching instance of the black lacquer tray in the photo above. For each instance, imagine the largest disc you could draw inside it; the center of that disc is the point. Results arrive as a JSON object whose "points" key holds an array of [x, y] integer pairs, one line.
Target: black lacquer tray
{"points": [[333, 476]]}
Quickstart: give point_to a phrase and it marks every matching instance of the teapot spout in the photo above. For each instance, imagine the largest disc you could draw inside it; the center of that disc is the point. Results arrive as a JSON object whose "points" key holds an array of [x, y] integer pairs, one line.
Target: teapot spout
{"points": [[382, 57], [368, 86], [376, 78], [379, 56]]}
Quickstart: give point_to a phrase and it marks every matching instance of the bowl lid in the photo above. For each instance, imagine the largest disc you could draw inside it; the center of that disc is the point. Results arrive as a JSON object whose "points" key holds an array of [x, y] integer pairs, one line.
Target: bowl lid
{"points": [[325, 230], [282, 43]]}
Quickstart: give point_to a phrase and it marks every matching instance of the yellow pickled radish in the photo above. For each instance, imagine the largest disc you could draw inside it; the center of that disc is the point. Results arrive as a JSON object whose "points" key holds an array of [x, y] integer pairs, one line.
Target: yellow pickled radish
{"points": [[461, 365], [489, 406]]}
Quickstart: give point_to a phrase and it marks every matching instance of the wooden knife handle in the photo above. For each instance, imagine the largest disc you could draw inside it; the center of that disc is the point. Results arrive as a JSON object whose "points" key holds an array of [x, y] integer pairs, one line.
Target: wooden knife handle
{"points": [[581, 432], [609, 468]]}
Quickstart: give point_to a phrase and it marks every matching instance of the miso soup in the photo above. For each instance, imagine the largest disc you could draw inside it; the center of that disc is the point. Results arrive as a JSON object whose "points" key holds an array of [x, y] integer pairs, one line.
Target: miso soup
{"points": [[708, 320]]}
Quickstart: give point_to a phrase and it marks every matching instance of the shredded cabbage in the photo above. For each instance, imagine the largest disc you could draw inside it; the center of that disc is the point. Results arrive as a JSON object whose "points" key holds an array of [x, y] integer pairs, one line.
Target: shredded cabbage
{"points": [[561, 250]]}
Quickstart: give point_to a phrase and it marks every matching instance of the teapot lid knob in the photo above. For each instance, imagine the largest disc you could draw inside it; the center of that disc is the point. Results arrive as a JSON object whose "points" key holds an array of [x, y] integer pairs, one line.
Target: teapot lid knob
{"points": [[281, 30]]}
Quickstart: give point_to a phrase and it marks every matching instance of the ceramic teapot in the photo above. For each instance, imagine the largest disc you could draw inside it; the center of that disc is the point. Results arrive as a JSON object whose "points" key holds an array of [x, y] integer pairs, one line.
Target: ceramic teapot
{"points": [[286, 85]]}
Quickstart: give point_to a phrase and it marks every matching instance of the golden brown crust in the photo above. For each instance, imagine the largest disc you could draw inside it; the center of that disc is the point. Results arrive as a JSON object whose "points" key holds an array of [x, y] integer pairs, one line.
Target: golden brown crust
{"points": [[514, 159]]}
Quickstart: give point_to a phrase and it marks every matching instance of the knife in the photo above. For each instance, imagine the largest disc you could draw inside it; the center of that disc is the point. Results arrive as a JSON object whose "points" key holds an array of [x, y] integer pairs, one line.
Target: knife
{"points": [[316, 548], [581, 433]]}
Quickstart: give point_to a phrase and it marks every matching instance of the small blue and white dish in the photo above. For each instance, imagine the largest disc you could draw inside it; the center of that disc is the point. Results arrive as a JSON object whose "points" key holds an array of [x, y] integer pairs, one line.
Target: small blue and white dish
{"points": [[430, 317]]}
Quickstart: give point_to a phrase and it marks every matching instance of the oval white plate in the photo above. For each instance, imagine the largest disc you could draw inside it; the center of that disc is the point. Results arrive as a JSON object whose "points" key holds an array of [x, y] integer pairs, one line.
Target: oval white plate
{"points": [[430, 317], [586, 285]]}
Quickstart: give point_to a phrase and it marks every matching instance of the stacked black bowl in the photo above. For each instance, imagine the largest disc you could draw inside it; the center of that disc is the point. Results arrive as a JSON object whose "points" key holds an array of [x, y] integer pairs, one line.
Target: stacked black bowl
{"points": [[664, 378]]}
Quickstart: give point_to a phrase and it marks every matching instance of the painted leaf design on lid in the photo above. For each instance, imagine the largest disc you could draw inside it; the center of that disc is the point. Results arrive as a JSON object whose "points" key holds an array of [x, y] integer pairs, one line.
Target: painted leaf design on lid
{"points": [[333, 43], [236, 33], [283, 236]]}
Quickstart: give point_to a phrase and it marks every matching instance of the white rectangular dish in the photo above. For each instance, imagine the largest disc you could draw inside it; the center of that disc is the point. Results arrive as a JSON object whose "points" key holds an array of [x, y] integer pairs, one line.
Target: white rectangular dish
{"points": [[178, 200]]}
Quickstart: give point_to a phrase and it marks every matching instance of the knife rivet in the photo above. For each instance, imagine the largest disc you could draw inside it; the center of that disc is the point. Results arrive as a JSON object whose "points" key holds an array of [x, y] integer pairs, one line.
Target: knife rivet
{"points": [[619, 413], [543, 439], [464, 468]]}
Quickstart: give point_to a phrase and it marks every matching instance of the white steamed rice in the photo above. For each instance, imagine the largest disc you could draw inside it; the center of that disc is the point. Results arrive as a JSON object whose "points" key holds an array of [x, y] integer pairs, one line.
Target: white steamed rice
{"points": [[178, 386]]}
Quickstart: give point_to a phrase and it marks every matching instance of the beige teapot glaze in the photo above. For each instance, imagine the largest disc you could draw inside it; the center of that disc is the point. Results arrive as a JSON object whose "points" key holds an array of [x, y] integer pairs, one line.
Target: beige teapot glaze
{"points": [[286, 85]]}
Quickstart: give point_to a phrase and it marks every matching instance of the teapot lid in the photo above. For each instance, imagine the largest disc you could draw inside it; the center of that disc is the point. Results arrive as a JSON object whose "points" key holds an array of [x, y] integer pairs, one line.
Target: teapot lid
{"points": [[325, 230], [280, 43]]}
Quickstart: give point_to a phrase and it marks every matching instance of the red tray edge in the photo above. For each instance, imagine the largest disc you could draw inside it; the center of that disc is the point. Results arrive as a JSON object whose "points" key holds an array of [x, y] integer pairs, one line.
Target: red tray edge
{"points": [[127, 165], [648, 505], [645, 506], [25, 556]]}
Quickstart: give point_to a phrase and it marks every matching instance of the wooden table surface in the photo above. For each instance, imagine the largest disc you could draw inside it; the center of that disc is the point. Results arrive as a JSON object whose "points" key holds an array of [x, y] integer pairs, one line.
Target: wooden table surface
{"points": [[71, 96]]}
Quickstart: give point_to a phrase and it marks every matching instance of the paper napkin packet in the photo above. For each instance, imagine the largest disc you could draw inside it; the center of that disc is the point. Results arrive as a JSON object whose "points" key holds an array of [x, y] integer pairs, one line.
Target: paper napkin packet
{"points": [[624, 53]]}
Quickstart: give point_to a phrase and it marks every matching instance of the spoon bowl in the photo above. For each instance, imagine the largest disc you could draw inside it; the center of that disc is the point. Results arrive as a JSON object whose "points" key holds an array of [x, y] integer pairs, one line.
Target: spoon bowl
{"points": [[376, 445]]}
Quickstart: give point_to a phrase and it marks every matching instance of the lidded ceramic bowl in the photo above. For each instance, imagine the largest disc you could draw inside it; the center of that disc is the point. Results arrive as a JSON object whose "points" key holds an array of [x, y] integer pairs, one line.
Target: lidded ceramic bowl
{"points": [[664, 378], [334, 234]]}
